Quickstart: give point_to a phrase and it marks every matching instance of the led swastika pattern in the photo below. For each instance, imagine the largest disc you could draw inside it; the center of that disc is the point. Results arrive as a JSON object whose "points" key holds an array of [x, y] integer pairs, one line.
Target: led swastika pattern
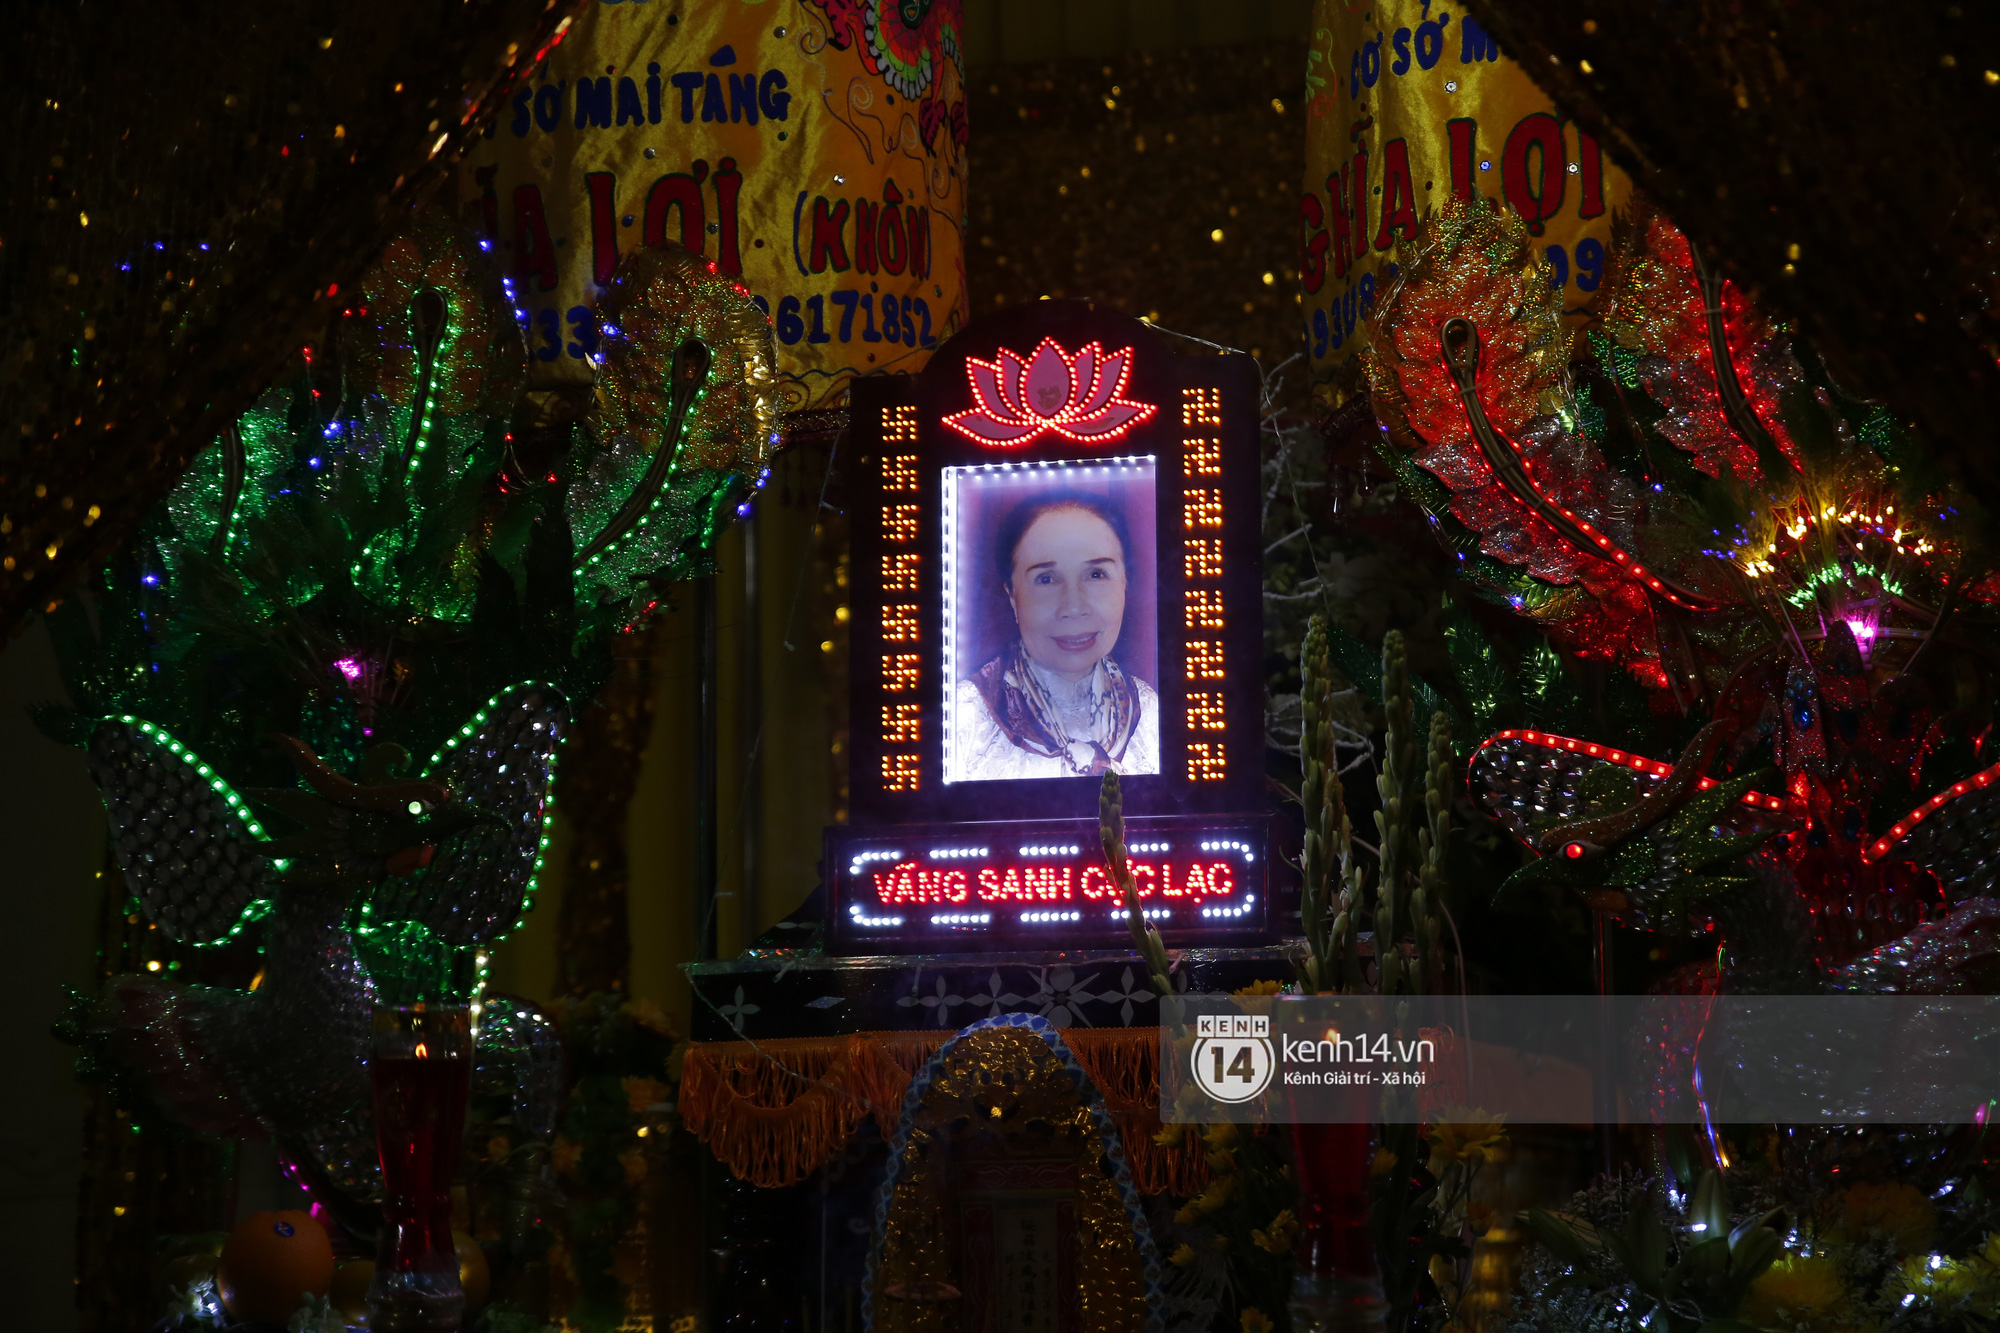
{"points": [[1201, 508], [900, 772], [1201, 407], [899, 523], [901, 526], [1204, 558], [899, 426], [1204, 712], [1204, 608], [901, 723], [1205, 762]]}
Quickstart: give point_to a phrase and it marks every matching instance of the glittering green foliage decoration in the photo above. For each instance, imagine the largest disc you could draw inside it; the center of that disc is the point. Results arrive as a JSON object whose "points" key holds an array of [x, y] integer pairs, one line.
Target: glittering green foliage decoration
{"points": [[387, 542]]}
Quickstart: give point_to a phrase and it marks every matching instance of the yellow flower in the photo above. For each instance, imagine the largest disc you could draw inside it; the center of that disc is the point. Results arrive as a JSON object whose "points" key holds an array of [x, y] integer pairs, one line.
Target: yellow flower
{"points": [[1220, 1136], [1215, 1195], [497, 1148], [1254, 1320], [564, 1154], [1182, 1257], [1384, 1163], [634, 1162], [1262, 988], [1991, 1254], [1465, 1136], [1897, 1213], [649, 1015], [1948, 1282], [1797, 1289], [1170, 1136], [641, 1093], [1279, 1236]]}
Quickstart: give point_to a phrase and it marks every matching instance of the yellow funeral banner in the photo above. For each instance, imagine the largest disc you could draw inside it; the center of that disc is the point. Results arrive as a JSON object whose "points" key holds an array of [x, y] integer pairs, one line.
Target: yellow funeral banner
{"points": [[1407, 103], [815, 149]]}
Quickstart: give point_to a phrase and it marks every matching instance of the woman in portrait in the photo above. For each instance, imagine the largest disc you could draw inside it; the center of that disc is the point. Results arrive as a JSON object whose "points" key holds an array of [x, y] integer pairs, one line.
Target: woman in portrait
{"points": [[1054, 703]]}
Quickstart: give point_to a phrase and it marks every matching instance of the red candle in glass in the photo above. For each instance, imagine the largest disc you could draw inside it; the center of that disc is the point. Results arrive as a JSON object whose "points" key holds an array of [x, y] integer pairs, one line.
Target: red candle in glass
{"points": [[421, 1066], [1336, 1284]]}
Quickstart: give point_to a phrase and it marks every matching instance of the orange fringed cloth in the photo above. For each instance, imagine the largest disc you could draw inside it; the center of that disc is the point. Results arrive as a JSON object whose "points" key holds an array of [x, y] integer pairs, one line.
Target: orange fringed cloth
{"points": [[774, 1112]]}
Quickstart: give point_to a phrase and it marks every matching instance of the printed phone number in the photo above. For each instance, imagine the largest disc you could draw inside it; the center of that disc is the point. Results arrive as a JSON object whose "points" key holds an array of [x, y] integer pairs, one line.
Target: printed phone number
{"points": [[904, 321]]}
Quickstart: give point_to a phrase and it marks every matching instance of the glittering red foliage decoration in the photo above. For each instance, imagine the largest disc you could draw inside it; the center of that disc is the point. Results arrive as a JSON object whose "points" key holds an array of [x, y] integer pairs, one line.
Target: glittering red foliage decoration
{"points": [[1658, 309], [1475, 263]]}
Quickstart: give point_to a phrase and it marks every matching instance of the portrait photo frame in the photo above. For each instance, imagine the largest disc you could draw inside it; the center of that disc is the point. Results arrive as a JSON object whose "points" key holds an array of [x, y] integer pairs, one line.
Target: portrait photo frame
{"points": [[985, 505], [1061, 384]]}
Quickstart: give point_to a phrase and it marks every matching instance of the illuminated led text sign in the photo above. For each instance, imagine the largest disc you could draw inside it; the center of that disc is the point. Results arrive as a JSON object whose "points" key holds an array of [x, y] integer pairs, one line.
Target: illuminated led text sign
{"points": [[939, 887]]}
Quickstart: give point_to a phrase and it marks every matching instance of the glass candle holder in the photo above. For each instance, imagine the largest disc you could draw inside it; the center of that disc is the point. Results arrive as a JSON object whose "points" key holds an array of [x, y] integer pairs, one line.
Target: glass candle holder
{"points": [[420, 1064], [1336, 1285]]}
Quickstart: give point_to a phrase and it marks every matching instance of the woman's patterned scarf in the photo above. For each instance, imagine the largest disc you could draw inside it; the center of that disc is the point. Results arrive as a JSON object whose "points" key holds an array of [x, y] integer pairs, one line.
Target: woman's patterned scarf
{"points": [[1024, 711]]}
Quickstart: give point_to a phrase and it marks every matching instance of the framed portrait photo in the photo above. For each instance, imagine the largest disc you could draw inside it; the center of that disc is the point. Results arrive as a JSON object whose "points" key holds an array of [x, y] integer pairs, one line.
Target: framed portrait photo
{"points": [[1051, 622], [1056, 573]]}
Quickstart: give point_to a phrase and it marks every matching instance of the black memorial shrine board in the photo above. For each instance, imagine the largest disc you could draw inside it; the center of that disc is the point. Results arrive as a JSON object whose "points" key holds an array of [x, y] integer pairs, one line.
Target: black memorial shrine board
{"points": [[1056, 566]]}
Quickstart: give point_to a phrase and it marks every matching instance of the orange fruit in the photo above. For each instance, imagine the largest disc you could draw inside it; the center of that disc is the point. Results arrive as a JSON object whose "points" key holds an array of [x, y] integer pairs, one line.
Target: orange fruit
{"points": [[270, 1263], [473, 1274]]}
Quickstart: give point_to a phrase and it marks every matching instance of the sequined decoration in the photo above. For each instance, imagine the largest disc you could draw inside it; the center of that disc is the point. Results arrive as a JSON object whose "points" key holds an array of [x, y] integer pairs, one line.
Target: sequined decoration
{"points": [[501, 764], [1475, 262], [658, 299], [189, 856], [1004, 1108], [518, 1055], [1959, 842], [641, 516], [1534, 782], [435, 254], [1658, 310], [1955, 953], [183, 249]]}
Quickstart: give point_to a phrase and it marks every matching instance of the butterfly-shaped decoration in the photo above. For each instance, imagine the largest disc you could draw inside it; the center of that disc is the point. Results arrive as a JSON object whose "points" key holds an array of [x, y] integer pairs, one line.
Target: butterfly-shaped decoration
{"points": [[475, 885], [1634, 836], [453, 851]]}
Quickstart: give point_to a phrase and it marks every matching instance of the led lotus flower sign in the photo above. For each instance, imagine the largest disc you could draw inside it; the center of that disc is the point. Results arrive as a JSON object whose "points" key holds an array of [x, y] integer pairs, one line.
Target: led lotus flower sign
{"points": [[1079, 397]]}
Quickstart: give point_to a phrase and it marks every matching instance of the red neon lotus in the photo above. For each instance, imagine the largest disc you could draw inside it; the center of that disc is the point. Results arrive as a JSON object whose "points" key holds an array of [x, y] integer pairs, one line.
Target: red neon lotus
{"points": [[1079, 397]]}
